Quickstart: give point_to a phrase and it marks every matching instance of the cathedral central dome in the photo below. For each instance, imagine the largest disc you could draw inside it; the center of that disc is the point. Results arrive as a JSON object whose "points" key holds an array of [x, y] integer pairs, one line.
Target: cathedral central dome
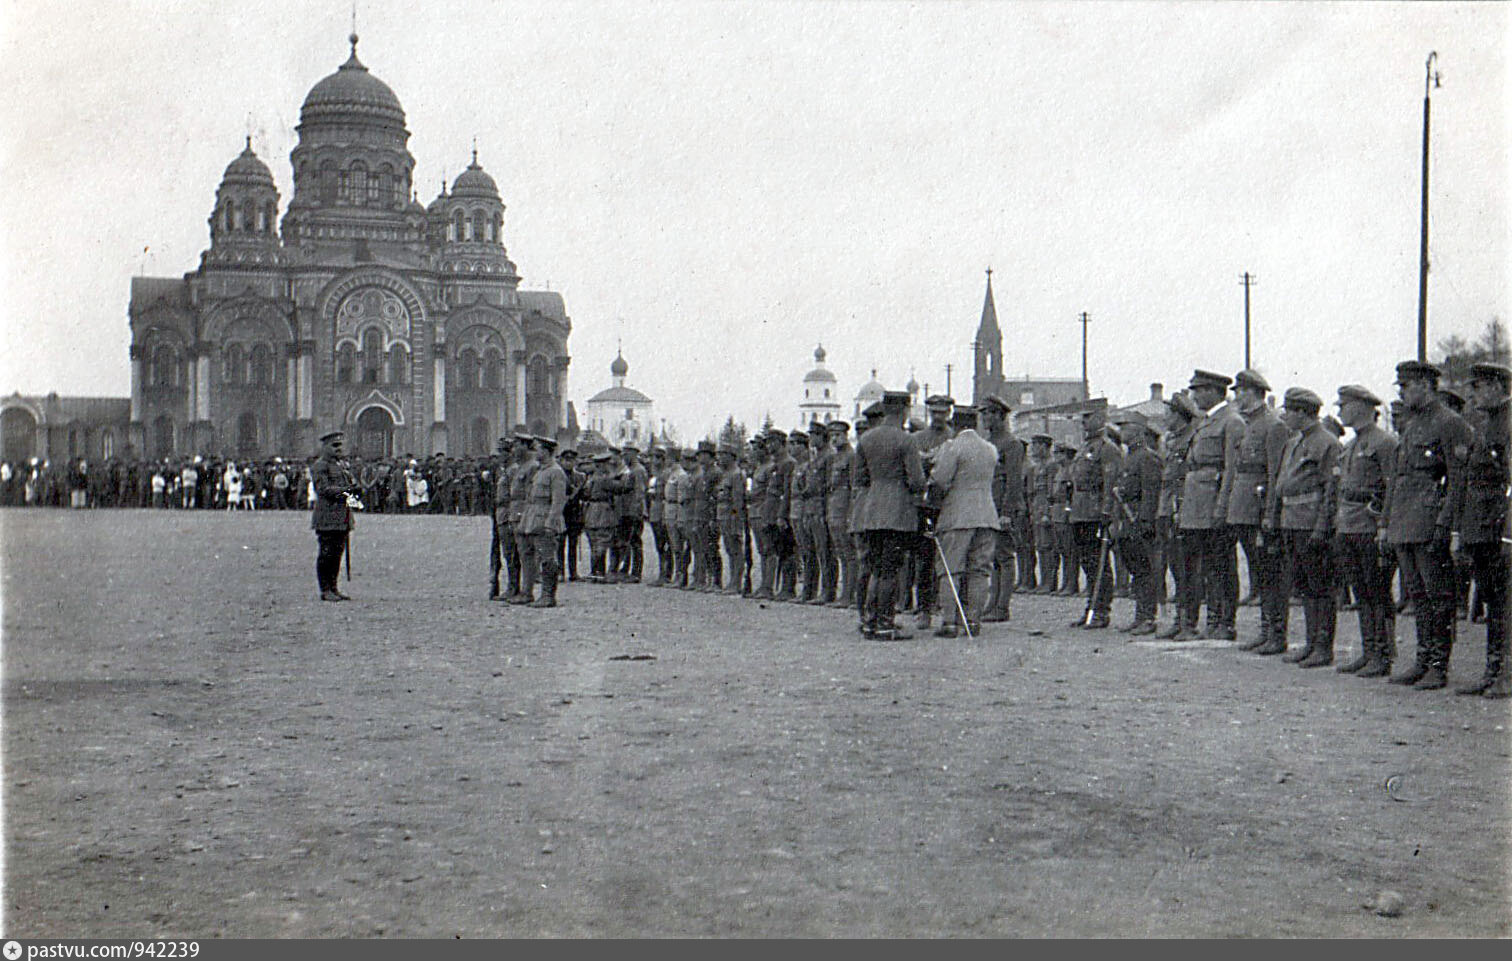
{"points": [[352, 95]]}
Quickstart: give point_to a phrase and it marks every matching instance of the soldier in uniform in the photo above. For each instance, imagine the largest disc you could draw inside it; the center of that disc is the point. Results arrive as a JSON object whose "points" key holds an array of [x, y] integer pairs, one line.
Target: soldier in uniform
{"points": [[632, 511], [841, 588], [1008, 496], [1181, 422], [1366, 467], [1060, 520], [730, 508], [572, 514], [870, 417], [756, 510], [698, 513], [1483, 525], [1040, 478], [675, 516], [821, 590], [656, 515], [887, 466], [543, 524], [780, 529], [600, 518], [920, 551], [1203, 522], [330, 517], [1300, 510], [519, 500], [1430, 462], [1137, 497], [805, 565], [500, 489], [1248, 479], [515, 487], [1094, 471]]}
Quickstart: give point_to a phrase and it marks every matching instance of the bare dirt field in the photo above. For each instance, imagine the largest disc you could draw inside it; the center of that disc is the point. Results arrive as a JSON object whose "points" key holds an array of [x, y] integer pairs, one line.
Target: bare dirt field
{"points": [[195, 746]]}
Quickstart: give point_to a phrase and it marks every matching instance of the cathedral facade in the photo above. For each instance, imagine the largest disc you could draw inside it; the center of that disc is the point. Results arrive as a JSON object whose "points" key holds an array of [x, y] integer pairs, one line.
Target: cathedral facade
{"points": [[363, 310]]}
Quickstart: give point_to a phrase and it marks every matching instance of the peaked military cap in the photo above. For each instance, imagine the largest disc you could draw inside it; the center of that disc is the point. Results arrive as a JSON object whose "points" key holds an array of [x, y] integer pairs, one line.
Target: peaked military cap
{"points": [[1301, 398], [1252, 378], [730, 449], [569, 452], [326, 438], [1417, 370], [964, 417], [504, 443], [1453, 398], [547, 442], [873, 410], [895, 398], [996, 403], [798, 437], [602, 457], [1206, 378], [1356, 392], [838, 427], [776, 435], [1486, 371], [1042, 439], [706, 447], [940, 402]]}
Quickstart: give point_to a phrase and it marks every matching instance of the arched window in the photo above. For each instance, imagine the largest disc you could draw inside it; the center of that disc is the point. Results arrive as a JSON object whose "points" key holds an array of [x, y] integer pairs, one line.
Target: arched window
{"points": [[385, 189], [246, 434], [540, 376], [233, 363], [164, 367], [459, 226], [262, 365], [498, 228], [346, 364], [478, 443], [262, 220], [228, 217], [467, 369], [344, 186], [477, 225], [359, 185], [329, 181], [493, 371], [107, 444], [272, 215], [162, 436], [398, 365], [372, 356]]}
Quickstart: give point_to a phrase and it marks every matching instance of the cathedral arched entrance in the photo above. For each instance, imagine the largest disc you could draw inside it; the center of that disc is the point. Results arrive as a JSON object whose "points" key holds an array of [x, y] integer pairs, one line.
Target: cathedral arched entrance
{"points": [[375, 434], [19, 429], [247, 447], [162, 437]]}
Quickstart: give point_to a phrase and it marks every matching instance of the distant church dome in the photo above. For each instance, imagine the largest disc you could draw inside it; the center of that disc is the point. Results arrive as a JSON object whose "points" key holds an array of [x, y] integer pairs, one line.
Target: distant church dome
{"points": [[819, 374], [619, 367], [352, 95]]}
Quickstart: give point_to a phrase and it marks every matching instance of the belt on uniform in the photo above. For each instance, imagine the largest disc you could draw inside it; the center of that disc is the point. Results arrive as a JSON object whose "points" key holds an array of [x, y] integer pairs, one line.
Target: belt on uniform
{"points": [[1358, 497], [1311, 497]]}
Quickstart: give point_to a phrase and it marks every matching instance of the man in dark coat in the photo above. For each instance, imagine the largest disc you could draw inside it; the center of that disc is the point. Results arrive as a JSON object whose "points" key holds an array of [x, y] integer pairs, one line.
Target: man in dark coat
{"points": [[1482, 521], [330, 516], [887, 466]]}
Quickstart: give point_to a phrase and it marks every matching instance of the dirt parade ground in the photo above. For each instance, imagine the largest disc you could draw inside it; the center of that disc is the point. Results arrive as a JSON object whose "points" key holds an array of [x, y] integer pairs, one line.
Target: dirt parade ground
{"points": [[195, 746]]}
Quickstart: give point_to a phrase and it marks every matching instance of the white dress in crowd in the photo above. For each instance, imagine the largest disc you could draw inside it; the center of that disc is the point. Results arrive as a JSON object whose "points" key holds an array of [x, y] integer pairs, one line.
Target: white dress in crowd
{"points": [[232, 480]]}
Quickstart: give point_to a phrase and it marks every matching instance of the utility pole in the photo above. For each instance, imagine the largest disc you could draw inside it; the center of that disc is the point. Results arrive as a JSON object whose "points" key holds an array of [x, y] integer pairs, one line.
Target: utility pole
{"points": [[1247, 280], [947, 381], [1431, 82], [1085, 320]]}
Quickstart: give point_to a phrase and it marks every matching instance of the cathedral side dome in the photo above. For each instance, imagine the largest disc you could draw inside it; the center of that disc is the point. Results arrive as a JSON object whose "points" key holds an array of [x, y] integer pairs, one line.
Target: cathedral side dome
{"points": [[248, 169], [475, 182]]}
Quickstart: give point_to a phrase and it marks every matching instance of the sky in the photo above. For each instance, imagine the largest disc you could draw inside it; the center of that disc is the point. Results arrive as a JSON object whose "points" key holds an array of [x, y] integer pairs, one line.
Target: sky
{"points": [[721, 187]]}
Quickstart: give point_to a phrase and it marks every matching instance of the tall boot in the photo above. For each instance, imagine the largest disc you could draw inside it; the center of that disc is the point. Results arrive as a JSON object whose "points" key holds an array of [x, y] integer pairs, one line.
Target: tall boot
{"points": [[1326, 612], [1278, 631], [997, 597], [1263, 639], [1381, 646], [1367, 617], [548, 590], [1496, 666], [1310, 626], [1424, 648]]}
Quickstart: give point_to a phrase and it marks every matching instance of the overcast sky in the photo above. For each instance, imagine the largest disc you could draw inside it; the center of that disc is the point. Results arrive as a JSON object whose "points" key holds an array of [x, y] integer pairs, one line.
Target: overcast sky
{"points": [[725, 185]]}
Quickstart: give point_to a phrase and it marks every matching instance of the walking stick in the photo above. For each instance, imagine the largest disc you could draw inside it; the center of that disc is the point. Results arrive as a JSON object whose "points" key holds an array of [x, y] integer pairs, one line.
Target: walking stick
{"points": [[1102, 562], [950, 579]]}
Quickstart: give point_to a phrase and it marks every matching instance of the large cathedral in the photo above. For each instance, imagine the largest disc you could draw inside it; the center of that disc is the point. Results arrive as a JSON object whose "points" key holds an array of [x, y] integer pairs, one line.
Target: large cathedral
{"points": [[364, 310]]}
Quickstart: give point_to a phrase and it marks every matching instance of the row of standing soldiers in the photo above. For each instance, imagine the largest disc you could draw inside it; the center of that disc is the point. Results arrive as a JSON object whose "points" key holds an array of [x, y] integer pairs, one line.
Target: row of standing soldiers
{"points": [[1312, 514]]}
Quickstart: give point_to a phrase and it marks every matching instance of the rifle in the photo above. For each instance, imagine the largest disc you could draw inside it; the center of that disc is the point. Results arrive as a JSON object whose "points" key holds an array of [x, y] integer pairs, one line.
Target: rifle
{"points": [[1102, 563]]}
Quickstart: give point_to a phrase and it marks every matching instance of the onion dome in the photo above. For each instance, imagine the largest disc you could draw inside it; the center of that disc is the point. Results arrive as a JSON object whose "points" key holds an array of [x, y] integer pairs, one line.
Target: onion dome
{"points": [[912, 386], [819, 373], [352, 95], [248, 169], [475, 182], [619, 367], [872, 389]]}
